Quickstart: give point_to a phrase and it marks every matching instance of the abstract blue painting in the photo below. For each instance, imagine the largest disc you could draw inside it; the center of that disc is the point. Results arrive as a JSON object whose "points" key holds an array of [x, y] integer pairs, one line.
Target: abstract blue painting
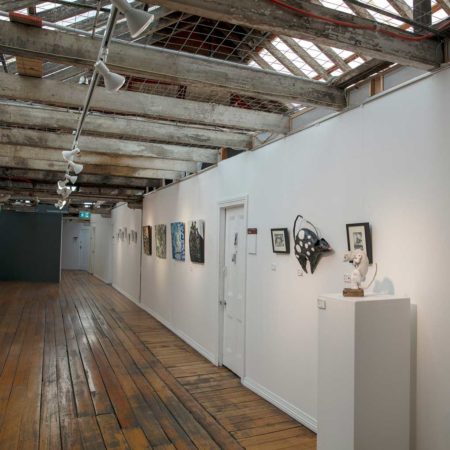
{"points": [[177, 231]]}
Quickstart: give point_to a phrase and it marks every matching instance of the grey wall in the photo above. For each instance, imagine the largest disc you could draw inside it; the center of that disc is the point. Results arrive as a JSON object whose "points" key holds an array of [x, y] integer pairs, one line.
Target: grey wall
{"points": [[30, 246]]}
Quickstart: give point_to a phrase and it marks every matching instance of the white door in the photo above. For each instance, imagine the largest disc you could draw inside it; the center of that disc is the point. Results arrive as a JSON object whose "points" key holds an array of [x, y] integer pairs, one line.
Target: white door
{"points": [[84, 242], [92, 258], [234, 290]]}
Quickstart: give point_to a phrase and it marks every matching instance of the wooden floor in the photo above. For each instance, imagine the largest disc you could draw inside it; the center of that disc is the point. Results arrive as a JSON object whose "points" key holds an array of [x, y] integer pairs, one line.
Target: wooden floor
{"points": [[83, 367]]}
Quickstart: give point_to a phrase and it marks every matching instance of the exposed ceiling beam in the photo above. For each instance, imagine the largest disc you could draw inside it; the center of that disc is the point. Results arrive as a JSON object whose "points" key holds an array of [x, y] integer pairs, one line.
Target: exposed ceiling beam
{"points": [[112, 147], [14, 5], [51, 193], [66, 11], [26, 163], [84, 179], [167, 65], [15, 151], [73, 95], [266, 15], [305, 56], [126, 127]]}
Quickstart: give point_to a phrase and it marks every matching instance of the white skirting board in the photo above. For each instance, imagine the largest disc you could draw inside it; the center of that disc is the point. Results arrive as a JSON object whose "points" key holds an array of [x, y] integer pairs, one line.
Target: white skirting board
{"points": [[127, 295], [280, 403], [195, 345], [104, 281]]}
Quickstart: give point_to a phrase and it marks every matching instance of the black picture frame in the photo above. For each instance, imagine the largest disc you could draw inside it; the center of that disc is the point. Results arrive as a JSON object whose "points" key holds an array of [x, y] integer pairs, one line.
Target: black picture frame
{"points": [[283, 233], [360, 237]]}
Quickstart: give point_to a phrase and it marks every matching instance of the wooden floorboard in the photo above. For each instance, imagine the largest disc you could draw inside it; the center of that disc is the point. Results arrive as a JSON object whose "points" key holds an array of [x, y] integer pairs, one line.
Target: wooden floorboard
{"points": [[82, 367]]}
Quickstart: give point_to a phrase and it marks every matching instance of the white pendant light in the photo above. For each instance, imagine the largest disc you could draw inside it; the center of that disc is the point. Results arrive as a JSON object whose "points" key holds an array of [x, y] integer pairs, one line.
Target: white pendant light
{"points": [[60, 204], [77, 168], [71, 178], [61, 184], [113, 81], [68, 155], [137, 20]]}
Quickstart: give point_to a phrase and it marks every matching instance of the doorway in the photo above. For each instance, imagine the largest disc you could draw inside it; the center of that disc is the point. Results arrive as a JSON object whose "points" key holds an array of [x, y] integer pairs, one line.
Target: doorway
{"points": [[75, 245], [85, 239], [233, 243]]}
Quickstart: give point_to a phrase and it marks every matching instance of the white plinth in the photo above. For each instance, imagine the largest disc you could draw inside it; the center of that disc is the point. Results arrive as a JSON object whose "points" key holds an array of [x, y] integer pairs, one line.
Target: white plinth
{"points": [[364, 373]]}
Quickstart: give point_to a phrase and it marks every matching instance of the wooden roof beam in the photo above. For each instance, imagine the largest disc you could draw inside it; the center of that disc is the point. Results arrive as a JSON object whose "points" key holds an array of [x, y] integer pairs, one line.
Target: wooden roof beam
{"points": [[162, 64], [266, 15], [19, 152], [84, 179], [123, 102], [128, 127], [41, 164]]}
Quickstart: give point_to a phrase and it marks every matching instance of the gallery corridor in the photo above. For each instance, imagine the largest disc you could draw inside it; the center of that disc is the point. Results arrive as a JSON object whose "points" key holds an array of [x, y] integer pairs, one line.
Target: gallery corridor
{"points": [[81, 366]]}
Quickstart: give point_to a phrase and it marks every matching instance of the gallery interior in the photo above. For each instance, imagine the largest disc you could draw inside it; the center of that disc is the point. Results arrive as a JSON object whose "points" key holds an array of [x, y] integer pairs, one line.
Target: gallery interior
{"points": [[224, 224]]}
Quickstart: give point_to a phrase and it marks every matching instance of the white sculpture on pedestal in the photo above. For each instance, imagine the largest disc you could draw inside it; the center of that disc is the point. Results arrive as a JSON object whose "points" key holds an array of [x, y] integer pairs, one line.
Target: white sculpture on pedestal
{"points": [[360, 262]]}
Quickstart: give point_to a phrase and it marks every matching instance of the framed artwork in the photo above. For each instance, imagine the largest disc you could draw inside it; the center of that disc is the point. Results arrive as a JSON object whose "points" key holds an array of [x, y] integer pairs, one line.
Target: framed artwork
{"points": [[280, 240], [147, 239], [197, 241], [160, 240], [177, 231], [359, 238]]}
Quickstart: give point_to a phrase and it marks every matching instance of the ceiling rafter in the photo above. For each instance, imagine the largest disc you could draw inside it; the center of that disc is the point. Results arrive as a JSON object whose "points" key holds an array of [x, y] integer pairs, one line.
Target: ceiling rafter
{"points": [[146, 105], [270, 17], [159, 63]]}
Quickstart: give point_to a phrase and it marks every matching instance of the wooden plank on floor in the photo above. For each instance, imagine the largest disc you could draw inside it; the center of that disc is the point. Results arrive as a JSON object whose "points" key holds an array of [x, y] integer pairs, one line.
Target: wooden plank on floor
{"points": [[83, 367]]}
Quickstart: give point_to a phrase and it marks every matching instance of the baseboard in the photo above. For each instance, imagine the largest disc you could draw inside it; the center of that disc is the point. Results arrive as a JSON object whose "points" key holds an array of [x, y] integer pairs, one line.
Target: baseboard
{"points": [[127, 295], [280, 403], [102, 279], [194, 344]]}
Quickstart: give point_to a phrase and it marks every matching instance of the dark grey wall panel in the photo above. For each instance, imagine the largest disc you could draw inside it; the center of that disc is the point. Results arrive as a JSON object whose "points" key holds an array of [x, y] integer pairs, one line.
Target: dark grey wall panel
{"points": [[30, 246]]}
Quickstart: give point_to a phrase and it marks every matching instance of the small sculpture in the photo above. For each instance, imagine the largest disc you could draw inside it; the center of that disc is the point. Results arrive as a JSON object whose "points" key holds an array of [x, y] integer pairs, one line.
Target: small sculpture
{"points": [[360, 262], [308, 246]]}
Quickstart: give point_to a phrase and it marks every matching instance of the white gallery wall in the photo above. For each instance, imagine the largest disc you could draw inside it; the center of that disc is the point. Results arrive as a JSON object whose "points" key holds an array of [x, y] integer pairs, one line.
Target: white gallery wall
{"points": [[101, 247], [386, 162], [126, 271]]}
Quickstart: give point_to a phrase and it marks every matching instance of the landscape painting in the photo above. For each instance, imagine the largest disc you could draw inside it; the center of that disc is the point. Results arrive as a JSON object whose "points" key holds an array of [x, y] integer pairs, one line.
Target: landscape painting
{"points": [[147, 239], [177, 229], [160, 239], [197, 241]]}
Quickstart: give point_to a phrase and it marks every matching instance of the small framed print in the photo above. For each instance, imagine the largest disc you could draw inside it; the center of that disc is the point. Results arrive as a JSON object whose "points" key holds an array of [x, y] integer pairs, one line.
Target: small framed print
{"points": [[359, 238], [280, 240]]}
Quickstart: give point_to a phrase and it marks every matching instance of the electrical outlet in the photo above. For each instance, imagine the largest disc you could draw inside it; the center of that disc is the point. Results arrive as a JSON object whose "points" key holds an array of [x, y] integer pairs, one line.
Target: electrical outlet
{"points": [[321, 304], [300, 272], [347, 278], [274, 267]]}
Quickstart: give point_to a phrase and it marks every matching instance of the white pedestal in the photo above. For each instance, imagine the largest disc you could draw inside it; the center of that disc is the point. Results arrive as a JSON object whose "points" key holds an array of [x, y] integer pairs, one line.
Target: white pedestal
{"points": [[364, 373]]}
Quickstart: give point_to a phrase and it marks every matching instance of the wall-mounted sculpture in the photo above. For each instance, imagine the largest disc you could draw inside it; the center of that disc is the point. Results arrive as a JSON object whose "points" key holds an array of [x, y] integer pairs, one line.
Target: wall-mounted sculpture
{"points": [[308, 245]]}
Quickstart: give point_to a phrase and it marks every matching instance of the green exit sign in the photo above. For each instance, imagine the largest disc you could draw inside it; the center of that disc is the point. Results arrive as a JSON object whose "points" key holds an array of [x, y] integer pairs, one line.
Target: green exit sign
{"points": [[85, 215]]}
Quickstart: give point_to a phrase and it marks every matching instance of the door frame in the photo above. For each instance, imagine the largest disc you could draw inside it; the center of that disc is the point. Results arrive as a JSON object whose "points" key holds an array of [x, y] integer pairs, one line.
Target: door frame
{"points": [[241, 200]]}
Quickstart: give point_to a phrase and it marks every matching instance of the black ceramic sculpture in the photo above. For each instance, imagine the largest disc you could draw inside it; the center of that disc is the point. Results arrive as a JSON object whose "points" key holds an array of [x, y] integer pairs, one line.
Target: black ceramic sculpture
{"points": [[309, 246]]}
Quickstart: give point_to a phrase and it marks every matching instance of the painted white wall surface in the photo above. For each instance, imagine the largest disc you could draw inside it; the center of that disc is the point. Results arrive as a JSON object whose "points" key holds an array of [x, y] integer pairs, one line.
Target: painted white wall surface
{"points": [[70, 249], [127, 256], [386, 162], [102, 235]]}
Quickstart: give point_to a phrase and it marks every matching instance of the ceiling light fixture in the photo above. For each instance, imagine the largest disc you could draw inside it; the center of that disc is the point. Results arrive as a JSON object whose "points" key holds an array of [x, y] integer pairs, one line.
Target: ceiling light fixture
{"points": [[68, 155], [113, 81], [137, 20], [71, 178], [77, 168]]}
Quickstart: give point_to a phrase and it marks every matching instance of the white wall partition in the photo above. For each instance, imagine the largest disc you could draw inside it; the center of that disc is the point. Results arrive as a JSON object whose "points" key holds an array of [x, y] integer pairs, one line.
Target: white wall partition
{"points": [[101, 247], [127, 255], [386, 162]]}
